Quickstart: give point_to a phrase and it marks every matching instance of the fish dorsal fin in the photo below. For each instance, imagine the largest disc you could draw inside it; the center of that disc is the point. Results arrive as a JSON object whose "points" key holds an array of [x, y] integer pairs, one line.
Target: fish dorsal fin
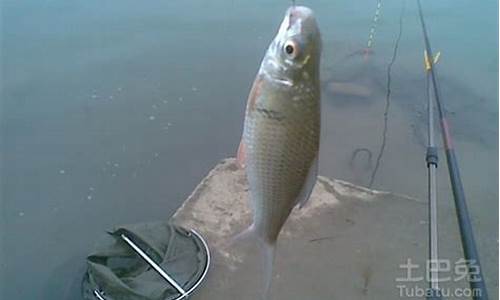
{"points": [[240, 156], [306, 191]]}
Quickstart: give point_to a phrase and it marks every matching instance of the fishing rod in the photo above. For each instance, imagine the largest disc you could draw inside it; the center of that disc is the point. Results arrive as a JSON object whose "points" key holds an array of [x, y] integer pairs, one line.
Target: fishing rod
{"points": [[431, 158], [466, 234]]}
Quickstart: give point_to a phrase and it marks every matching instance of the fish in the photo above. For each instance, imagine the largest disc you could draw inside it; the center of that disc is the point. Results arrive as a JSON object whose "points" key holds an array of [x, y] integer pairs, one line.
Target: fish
{"points": [[280, 143]]}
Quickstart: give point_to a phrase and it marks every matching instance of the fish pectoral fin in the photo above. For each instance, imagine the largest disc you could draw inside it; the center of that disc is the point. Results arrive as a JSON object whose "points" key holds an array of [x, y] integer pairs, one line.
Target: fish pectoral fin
{"points": [[240, 156], [307, 189]]}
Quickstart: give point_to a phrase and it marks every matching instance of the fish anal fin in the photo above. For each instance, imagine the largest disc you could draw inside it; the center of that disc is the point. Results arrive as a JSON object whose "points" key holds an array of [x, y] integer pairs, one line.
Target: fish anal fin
{"points": [[306, 191], [244, 235]]}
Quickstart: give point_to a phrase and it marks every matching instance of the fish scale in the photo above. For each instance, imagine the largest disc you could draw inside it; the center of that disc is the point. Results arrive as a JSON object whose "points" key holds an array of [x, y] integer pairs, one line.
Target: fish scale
{"points": [[281, 134], [280, 152]]}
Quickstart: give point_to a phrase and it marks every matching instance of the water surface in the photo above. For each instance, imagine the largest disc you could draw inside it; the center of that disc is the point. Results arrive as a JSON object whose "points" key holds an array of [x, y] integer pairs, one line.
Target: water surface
{"points": [[112, 111]]}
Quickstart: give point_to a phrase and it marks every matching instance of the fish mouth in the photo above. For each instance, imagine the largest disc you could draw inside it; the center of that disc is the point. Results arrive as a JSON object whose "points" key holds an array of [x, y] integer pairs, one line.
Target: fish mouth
{"points": [[299, 28], [300, 11], [296, 13], [295, 17]]}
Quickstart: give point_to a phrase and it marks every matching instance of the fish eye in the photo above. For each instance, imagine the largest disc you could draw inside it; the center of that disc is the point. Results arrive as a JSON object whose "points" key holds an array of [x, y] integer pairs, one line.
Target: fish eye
{"points": [[291, 49]]}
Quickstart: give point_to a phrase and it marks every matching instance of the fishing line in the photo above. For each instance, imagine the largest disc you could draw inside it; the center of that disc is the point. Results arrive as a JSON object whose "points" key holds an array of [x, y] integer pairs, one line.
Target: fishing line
{"points": [[355, 153], [368, 49], [371, 36], [388, 97]]}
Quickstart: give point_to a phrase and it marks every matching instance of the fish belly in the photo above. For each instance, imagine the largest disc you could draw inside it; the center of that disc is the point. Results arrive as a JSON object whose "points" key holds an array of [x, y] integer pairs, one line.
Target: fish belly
{"points": [[279, 155]]}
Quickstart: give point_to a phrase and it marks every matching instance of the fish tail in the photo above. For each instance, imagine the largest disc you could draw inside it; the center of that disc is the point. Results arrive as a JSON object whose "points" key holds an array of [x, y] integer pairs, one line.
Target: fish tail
{"points": [[266, 251]]}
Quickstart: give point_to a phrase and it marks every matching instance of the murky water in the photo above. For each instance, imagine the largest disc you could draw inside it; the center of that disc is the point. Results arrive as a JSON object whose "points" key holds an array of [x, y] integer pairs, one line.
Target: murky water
{"points": [[112, 111]]}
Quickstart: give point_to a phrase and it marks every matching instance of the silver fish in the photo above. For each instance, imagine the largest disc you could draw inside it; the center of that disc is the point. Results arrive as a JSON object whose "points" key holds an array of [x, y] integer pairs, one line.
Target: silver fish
{"points": [[281, 135]]}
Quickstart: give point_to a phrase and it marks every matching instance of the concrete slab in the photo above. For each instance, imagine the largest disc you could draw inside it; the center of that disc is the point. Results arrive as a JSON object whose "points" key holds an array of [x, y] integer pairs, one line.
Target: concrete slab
{"points": [[347, 243]]}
